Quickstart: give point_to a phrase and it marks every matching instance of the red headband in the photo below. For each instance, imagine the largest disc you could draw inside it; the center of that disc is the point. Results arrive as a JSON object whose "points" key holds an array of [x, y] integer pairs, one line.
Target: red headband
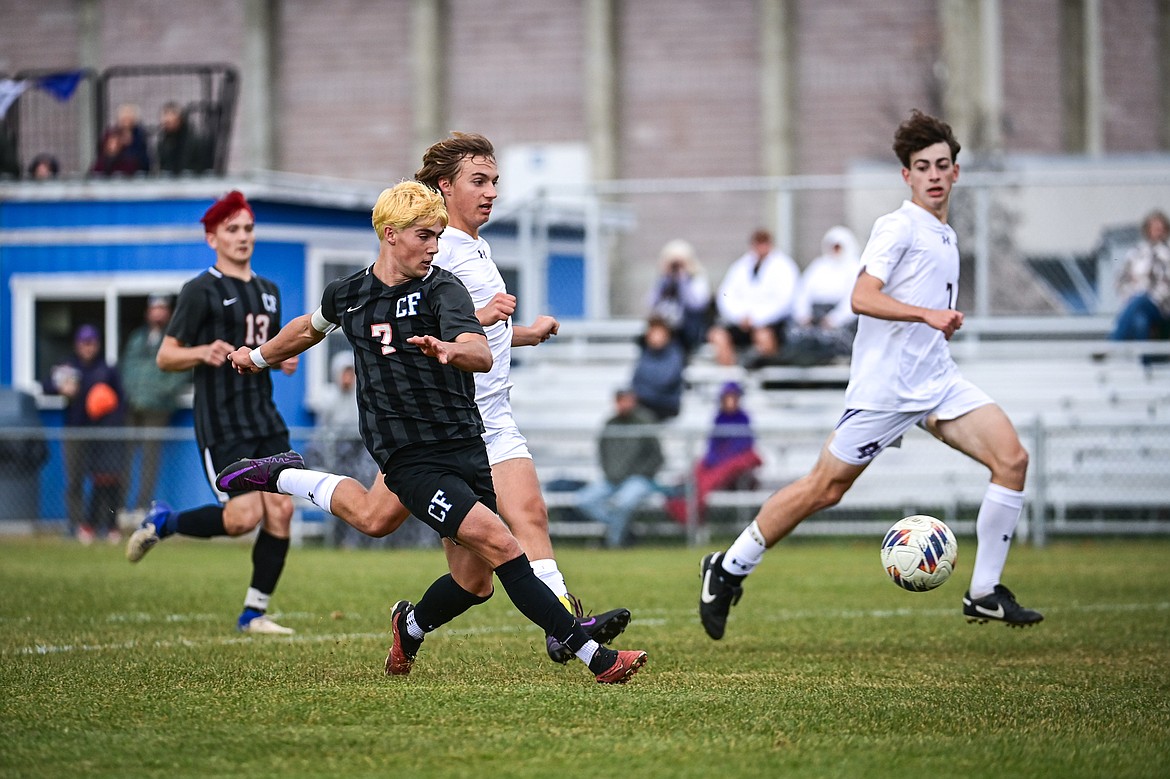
{"points": [[224, 209]]}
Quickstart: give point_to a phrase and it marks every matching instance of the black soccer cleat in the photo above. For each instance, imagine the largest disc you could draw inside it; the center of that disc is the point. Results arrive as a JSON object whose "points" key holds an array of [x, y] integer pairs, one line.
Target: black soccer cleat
{"points": [[716, 597], [602, 628], [1000, 606], [257, 474]]}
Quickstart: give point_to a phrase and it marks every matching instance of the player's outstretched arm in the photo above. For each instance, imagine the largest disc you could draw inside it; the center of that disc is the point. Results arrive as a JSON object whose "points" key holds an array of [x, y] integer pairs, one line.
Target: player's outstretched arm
{"points": [[542, 329], [294, 338], [173, 355], [468, 352]]}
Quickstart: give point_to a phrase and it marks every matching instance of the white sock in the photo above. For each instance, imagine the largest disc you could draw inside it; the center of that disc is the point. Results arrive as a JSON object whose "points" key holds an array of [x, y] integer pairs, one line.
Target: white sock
{"points": [[413, 629], [998, 515], [746, 552], [254, 599], [546, 570], [586, 653], [315, 486]]}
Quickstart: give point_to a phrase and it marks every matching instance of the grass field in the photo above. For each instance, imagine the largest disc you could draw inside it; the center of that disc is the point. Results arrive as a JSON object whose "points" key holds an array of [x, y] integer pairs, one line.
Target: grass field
{"points": [[827, 670]]}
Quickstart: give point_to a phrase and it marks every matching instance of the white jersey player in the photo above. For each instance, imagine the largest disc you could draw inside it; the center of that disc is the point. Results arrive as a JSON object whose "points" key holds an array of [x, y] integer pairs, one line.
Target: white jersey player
{"points": [[901, 375]]}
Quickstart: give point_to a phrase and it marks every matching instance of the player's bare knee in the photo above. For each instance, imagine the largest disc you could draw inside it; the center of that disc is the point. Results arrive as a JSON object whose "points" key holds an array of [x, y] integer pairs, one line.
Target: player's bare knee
{"points": [[1012, 467]]}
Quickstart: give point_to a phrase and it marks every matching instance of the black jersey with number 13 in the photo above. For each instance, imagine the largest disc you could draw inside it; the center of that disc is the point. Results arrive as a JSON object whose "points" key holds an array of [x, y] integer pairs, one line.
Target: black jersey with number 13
{"points": [[229, 406]]}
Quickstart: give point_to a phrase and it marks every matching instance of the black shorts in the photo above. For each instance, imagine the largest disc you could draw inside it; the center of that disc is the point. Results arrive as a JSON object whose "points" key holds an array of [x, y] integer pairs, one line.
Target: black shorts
{"points": [[440, 482], [223, 454], [743, 338]]}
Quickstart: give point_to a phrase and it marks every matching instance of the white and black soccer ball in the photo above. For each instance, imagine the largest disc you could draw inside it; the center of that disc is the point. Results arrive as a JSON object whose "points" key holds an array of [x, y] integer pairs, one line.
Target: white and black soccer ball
{"points": [[919, 553]]}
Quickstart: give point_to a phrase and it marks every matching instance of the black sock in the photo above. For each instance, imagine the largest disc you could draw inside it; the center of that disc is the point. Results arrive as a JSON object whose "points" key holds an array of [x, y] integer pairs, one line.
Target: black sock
{"points": [[730, 578], [443, 601], [536, 601], [602, 660], [268, 555], [203, 522]]}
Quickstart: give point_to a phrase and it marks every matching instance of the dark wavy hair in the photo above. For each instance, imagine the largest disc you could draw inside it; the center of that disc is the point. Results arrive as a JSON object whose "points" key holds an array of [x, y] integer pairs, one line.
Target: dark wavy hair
{"points": [[444, 158], [922, 130]]}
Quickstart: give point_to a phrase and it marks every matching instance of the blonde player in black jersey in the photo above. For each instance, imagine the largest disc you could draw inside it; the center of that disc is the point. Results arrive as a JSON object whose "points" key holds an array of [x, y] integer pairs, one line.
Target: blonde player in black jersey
{"points": [[416, 343], [225, 306]]}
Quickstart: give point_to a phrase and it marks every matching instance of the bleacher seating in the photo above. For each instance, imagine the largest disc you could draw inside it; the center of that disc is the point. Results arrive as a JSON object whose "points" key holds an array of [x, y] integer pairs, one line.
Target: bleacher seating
{"points": [[1065, 388]]}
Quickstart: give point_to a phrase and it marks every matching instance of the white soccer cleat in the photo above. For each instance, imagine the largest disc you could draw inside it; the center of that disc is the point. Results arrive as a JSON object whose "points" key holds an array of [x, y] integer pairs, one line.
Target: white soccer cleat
{"points": [[264, 625], [141, 541]]}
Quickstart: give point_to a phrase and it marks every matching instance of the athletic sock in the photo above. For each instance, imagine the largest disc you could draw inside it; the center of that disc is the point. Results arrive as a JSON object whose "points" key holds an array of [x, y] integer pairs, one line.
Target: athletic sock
{"points": [[314, 486], [255, 603], [536, 602], [203, 522], [546, 570], [602, 660], [268, 555], [443, 601], [744, 554], [413, 629], [999, 513]]}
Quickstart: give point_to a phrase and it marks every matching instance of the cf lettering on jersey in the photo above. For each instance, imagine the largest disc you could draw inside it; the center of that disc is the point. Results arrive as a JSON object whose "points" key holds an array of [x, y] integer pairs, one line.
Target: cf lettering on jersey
{"points": [[439, 507], [407, 305]]}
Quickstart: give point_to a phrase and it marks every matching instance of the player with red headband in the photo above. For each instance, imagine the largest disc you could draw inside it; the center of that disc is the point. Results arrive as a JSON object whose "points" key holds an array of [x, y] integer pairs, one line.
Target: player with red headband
{"points": [[224, 307]]}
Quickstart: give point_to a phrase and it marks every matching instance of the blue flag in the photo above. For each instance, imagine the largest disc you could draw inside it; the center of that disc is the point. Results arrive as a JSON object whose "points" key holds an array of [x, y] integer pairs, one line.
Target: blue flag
{"points": [[61, 85]]}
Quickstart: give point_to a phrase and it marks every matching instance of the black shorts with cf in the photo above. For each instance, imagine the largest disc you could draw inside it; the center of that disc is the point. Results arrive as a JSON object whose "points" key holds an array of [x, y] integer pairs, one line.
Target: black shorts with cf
{"points": [[439, 481]]}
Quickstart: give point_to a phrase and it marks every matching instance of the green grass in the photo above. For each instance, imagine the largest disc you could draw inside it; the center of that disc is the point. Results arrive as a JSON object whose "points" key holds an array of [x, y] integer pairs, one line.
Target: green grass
{"points": [[110, 669]]}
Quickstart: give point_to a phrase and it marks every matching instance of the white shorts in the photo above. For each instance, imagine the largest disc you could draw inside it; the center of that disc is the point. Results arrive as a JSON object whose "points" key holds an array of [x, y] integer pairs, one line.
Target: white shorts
{"points": [[861, 434], [501, 434]]}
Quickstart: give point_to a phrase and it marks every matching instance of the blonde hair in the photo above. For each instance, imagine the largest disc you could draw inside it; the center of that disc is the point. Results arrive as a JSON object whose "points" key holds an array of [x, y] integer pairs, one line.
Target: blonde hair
{"points": [[405, 204]]}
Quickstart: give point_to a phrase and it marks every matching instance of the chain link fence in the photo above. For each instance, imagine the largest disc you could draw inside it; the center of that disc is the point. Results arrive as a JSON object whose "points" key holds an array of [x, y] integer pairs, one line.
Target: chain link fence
{"points": [[1097, 477]]}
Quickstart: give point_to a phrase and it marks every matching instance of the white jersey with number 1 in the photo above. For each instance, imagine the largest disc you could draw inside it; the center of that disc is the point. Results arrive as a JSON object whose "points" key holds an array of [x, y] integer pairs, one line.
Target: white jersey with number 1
{"points": [[906, 366]]}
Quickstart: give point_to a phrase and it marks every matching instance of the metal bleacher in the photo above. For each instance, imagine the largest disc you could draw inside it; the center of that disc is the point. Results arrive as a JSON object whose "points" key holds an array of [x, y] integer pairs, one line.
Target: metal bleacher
{"points": [[1094, 414]]}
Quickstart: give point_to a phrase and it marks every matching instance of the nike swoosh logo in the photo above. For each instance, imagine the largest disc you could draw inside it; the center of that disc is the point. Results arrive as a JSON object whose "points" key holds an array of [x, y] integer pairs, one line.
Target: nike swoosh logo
{"points": [[229, 301], [588, 623], [706, 595], [351, 309], [997, 612]]}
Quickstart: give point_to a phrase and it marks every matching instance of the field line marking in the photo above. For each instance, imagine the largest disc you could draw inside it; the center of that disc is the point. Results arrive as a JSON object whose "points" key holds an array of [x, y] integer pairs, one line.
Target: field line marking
{"points": [[653, 617]]}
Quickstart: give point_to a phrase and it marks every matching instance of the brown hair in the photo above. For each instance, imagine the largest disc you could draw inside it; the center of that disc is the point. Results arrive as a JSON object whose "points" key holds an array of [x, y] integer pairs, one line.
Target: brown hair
{"points": [[444, 158], [918, 132]]}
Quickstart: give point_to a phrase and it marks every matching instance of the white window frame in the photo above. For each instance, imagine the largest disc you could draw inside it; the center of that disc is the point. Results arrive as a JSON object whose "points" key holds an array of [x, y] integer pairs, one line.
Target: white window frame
{"points": [[318, 382], [28, 288]]}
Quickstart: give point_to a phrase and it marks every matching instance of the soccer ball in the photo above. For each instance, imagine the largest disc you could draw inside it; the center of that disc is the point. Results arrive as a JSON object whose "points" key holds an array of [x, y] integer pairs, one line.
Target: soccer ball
{"points": [[919, 553]]}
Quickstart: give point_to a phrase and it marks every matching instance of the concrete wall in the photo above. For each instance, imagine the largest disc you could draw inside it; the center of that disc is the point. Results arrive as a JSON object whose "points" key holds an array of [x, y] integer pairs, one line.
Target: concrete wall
{"points": [[343, 92]]}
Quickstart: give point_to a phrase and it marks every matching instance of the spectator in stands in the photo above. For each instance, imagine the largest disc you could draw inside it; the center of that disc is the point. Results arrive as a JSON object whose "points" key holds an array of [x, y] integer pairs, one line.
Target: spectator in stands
{"points": [[658, 372], [114, 158], [180, 149], [682, 294], [731, 460], [754, 303], [129, 125], [1144, 284], [152, 394], [44, 167], [630, 456], [94, 399], [823, 318]]}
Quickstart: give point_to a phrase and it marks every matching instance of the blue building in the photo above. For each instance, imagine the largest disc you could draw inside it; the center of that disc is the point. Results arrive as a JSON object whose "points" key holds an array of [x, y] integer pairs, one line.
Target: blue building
{"points": [[92, 252]]}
